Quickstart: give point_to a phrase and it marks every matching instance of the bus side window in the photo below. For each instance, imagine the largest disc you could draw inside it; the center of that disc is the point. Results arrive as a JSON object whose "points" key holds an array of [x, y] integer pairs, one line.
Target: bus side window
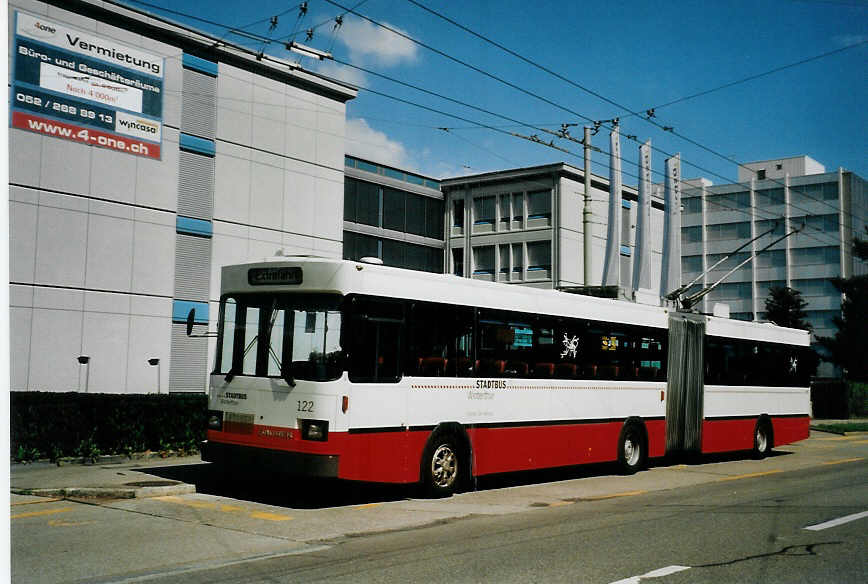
{"points": [[375, 336]]}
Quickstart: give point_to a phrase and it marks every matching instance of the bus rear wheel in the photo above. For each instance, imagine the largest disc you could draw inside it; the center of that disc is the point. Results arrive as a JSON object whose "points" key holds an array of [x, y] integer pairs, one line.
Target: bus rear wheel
{"points": [[442, 465], [631, 448], [762, 439]]}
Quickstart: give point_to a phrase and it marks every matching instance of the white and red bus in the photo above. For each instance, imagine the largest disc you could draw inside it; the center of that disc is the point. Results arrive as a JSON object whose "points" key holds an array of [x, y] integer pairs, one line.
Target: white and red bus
{"points": [[365, 372]]}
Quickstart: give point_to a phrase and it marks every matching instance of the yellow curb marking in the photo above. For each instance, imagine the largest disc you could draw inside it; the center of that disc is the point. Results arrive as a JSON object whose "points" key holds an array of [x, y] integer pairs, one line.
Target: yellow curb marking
{"points": [[843, 460], [750, 475], [38, 513], [224, 508], [367, 506], [62, 523], [270, 516], [561, 503], [34, 502], [612, 496]]}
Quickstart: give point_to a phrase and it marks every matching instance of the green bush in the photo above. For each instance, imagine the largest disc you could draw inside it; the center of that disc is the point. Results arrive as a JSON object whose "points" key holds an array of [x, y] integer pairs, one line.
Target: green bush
{"points": [[86, 425]]}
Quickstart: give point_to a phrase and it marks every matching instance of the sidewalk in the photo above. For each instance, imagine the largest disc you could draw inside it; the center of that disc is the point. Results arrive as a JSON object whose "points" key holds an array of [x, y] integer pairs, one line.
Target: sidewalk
{"points": [[124, 479]]}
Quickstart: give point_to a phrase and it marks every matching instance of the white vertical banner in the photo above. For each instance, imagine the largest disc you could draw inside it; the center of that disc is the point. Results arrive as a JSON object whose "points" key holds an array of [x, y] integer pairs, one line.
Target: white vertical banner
{"points": [[642, 257], [612, 264], [671, 277]]}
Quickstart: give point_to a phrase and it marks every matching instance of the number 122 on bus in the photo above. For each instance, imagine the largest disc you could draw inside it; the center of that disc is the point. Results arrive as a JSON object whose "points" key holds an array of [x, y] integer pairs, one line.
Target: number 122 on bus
{"points": [[335, 368]]}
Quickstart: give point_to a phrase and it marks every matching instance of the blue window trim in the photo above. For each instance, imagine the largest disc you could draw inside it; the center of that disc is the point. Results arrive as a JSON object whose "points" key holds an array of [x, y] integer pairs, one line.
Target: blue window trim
{"points": [[197, 227], [198, 145], [484, 222], [625, 250], [181, 308], [199, 64], [539, 216], [626, 204]]}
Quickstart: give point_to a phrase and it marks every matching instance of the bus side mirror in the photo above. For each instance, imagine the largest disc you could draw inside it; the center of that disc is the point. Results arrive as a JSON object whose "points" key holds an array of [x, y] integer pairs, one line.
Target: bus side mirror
{"points": [[191, 316]]}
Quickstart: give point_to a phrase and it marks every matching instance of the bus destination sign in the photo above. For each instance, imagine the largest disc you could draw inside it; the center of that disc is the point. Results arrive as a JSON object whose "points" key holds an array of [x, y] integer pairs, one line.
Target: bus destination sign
{"points": [[273, 276]]}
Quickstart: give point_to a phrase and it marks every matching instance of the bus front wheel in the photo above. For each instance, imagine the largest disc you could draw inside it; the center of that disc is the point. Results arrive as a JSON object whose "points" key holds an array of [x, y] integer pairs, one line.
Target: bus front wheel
{"points": [[441, 466]]}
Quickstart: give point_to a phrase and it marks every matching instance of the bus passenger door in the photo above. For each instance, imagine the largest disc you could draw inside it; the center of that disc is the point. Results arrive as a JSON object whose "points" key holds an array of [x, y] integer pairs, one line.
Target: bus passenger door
{"points": [[685, 390]]}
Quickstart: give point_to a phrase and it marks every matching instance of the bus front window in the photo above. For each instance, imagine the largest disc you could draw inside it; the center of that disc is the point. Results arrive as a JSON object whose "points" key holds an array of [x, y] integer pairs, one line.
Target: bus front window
{"points": [[281, 335]]}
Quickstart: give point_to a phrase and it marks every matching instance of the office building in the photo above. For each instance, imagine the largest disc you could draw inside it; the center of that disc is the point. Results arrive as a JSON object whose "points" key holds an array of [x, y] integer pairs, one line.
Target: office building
{"points": [[778, 197], [525, 226], [143, 156]]}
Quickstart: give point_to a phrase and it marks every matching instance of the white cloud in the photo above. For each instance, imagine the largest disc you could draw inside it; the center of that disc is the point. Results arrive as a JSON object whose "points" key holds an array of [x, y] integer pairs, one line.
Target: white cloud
{"points": [[371, 43], [340, 72], [365, 142], [845, 40]]}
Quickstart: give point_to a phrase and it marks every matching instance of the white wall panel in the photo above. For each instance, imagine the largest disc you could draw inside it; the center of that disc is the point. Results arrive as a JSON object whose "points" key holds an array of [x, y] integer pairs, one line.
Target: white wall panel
{"points": [[107, 302], [329, 205], [55, 344], [113, 175], [266, 190], [65, 166], [25, 157], [19, 334], [153, 253], [105, 340], [298, 200], [228, 247], [232, 184], [60, 246], [157, 180], [22, 240], [109, 252], [148, 338], [268, 115]]}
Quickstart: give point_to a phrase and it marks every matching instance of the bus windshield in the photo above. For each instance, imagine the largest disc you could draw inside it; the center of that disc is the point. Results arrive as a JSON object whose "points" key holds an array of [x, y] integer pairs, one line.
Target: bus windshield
{"points": [[280, 335]]}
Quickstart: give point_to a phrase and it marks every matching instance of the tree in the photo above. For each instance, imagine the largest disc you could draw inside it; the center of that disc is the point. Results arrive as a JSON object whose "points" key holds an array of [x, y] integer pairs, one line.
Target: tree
{"points": [[786, 307], [847, 349]]}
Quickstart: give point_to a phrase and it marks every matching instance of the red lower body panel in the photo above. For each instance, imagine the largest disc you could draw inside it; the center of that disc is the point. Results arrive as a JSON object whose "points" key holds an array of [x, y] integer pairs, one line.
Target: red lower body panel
{"points": [[729, 435], [395, 456]]}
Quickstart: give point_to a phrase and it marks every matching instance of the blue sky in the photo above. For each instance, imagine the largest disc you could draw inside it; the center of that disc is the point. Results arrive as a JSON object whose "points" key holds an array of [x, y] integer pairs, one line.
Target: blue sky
{"points": [[636, 54]]}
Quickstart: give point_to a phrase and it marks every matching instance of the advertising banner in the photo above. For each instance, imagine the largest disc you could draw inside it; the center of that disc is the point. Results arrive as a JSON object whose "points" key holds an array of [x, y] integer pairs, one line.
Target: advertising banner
{"points": [[77, 86]]}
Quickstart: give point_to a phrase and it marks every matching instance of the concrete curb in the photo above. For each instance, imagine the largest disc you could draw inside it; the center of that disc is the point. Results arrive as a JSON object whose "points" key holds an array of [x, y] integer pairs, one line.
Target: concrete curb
{"points": [[121, 492]]}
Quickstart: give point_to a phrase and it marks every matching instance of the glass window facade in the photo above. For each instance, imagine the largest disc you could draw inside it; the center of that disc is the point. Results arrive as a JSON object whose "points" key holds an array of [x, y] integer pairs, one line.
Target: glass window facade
{"points": [[370, 204], [399, 254]]}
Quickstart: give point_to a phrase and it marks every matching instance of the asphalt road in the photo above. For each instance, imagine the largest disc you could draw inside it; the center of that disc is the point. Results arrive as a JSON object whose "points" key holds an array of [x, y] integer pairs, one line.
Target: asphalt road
{"points": [[725, 520]]}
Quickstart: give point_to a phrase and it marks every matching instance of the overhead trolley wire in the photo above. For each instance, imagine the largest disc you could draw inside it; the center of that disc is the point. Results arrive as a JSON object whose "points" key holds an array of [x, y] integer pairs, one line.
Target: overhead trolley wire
{"points": [[259, 38], [610, 101]]}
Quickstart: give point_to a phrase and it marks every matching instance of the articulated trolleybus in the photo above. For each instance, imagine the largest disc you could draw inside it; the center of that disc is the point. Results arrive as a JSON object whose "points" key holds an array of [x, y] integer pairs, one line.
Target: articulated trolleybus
{"points": [[364, 372]]}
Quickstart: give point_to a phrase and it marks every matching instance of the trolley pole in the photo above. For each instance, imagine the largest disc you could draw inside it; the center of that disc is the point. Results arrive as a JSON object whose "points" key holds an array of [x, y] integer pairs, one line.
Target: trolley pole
{"points": [[587, 213]]}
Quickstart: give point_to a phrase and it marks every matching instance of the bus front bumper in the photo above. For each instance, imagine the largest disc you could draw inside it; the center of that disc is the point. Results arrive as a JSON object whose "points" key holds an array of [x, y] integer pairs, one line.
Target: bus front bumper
{"points": [[262, 459]]}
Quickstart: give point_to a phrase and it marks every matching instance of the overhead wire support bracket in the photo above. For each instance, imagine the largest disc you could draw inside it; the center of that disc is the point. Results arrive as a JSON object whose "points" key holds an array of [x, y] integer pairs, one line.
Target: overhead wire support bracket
{"points": [[689, 302]]}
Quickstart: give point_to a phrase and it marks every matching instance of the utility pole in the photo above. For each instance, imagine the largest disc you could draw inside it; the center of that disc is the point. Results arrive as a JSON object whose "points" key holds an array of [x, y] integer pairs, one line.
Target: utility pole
{"points": [[587, 213]]}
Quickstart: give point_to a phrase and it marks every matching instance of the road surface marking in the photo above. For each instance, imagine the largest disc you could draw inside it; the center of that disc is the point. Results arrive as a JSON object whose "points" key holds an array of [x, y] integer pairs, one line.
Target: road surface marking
{"points": [[38, 513], [270, 516], [223, 508], [843, 460], [653, 574], [750, 475], [611, 496], [837, 522], [35, 502], [367, 506]]}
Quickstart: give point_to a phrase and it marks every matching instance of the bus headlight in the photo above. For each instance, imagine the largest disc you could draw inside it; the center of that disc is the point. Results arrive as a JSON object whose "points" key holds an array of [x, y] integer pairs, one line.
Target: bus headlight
{"points": [[215, 420], [314, 430]]}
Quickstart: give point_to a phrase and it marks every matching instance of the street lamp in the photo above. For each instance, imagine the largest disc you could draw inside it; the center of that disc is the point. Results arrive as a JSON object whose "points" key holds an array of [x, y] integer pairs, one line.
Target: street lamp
{"points": [[154, 362], [84, 360]]}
